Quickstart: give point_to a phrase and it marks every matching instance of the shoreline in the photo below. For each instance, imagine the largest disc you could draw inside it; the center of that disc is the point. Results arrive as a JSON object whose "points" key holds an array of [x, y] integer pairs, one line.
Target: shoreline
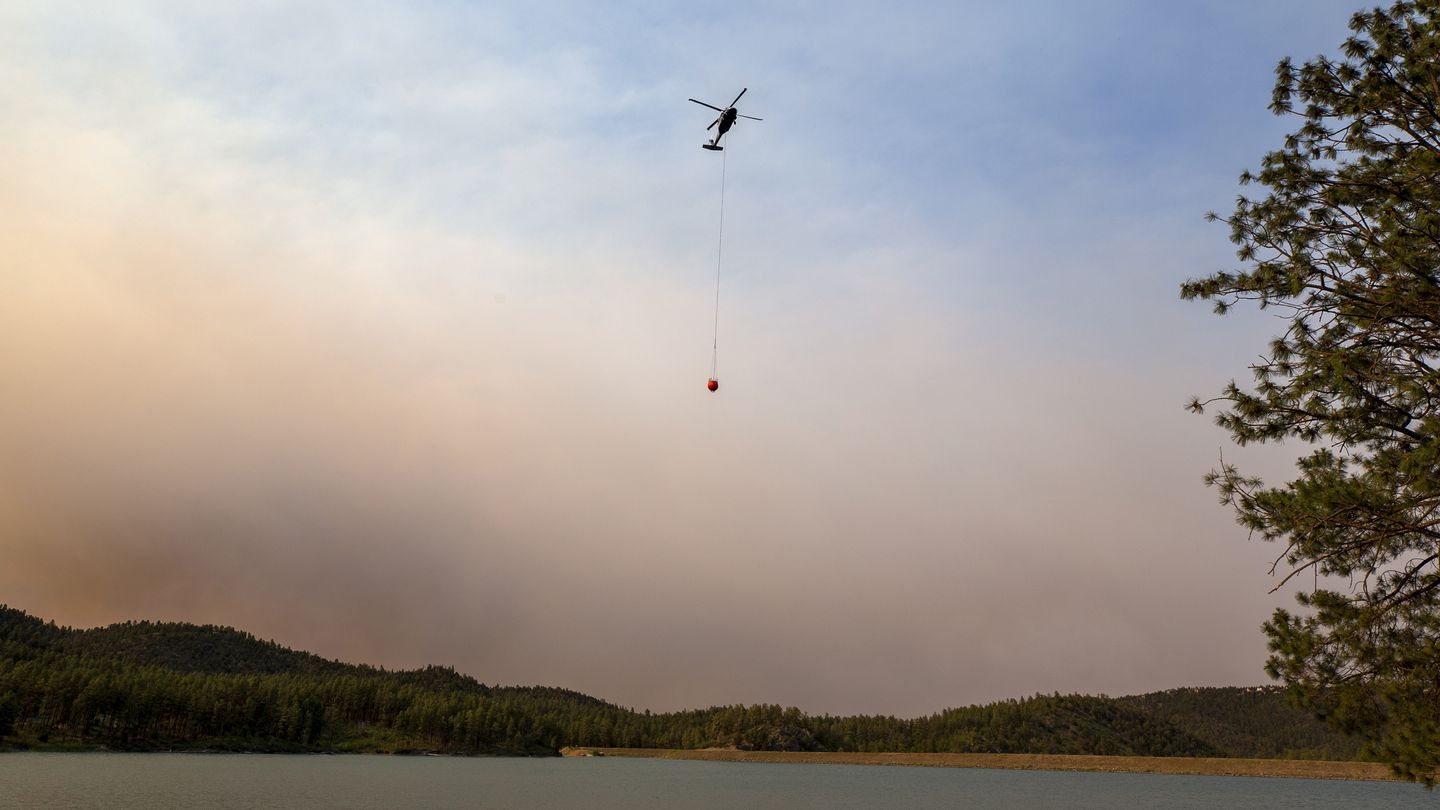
{"points": [[1189, 766]]}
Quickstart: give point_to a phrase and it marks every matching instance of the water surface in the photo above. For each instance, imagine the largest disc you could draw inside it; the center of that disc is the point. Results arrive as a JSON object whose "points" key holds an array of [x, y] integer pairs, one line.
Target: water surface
{"points": [[170, 781]]}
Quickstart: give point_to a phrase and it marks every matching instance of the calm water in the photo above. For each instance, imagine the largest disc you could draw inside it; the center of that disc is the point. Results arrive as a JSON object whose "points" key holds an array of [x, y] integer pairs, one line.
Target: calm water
{"points": [[165, 781]]}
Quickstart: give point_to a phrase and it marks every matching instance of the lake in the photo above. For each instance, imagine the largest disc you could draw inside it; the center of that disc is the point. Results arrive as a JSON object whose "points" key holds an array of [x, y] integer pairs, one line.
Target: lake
{"points": [[358, 782]]}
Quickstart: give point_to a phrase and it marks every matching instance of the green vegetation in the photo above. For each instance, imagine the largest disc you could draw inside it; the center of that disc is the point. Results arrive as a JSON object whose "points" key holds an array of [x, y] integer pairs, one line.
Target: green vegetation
{"points": [[148, 686], [1345, 244], [1256, 722]]}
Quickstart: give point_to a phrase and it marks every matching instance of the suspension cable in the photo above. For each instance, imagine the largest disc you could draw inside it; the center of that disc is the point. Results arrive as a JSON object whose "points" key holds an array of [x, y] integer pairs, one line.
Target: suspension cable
{"points": [[719, 250]]}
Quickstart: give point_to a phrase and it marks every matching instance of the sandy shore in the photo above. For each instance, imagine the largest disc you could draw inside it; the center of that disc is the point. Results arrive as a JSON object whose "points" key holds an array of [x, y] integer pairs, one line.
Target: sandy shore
{"points": [[1205, 766]]}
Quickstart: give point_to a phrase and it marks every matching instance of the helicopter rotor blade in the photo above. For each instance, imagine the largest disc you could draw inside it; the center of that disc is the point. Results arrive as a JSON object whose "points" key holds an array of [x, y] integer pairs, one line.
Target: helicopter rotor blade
{"points": [[737, 98], [711, 106], [712, 124], [751, 117]]}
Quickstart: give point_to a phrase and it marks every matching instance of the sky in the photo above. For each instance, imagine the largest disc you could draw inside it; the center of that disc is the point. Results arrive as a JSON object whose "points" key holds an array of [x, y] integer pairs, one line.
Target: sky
{"points": [[382, 330]]}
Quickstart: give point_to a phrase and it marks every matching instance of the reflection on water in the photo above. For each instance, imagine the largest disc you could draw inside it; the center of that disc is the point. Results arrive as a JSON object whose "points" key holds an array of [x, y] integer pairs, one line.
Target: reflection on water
{"points": [[166, 781]]}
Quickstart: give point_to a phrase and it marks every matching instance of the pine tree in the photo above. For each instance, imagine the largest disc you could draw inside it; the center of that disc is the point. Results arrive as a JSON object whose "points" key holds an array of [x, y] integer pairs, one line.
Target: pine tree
{"points": [[1345, 243]]}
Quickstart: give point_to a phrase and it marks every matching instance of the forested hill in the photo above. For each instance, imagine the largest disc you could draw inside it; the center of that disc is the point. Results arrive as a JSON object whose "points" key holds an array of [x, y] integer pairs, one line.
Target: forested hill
{"points": [[145, 685], [1256, 720], [173, 645]]}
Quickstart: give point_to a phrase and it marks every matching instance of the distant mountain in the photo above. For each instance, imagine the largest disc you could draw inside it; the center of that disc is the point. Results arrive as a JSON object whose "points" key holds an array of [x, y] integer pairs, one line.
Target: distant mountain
{"points": [[172, 645], [148, 685], [1247, 722], [196, 648]]}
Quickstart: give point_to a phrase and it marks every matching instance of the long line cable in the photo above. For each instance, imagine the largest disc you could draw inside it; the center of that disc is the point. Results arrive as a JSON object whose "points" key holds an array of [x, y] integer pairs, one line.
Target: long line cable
{"points": [[719, 251]]}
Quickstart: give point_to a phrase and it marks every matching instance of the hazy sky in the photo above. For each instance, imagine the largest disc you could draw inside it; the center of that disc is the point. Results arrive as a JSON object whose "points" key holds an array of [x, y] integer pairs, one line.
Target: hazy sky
{"points": [[382, 330]]}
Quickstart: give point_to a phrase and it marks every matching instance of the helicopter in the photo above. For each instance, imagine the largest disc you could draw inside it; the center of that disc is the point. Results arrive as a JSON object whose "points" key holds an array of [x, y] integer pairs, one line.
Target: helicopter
{"points": [[726, 120]]}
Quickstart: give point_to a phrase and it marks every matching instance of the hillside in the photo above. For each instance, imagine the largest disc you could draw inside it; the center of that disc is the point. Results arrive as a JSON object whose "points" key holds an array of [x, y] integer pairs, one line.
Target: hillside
{"points": [[196, 648], [146, 685], [1247, 722]]}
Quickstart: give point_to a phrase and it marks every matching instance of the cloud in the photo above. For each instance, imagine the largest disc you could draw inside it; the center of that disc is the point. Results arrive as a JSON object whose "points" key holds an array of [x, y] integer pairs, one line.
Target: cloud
{"points": [[383, 333]]}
